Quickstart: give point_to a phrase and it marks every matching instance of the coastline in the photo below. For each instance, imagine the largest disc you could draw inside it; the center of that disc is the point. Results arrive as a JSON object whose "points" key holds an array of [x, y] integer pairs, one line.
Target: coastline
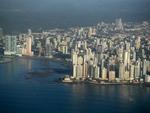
{"points": [[142, 84], [60, 60], [7, 59]]}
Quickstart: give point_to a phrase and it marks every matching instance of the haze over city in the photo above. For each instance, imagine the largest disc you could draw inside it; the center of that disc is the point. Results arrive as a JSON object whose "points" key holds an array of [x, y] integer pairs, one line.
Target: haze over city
{"points": [[19, 15]]}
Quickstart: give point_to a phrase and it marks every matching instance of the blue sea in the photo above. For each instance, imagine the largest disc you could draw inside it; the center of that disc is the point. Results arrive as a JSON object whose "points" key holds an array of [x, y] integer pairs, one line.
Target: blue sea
{"points": [[40, 93]]}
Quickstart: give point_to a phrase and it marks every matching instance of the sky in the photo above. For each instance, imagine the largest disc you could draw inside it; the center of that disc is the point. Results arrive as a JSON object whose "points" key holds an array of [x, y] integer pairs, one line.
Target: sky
{"points": [[45, 5], [14, 14]]}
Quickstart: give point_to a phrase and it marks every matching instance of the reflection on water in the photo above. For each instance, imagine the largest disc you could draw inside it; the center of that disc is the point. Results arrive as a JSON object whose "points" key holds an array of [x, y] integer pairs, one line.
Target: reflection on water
{"points": [[109, 98], [43, 94]]}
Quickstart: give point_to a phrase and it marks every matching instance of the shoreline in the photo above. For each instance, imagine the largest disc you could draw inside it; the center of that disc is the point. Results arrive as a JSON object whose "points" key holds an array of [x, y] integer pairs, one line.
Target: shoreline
{"points": [[7, 59], [111, 84], [143, 84]]}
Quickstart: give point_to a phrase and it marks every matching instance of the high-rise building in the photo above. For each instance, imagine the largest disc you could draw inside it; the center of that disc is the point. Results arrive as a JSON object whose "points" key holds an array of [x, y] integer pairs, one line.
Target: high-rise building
{"points": [[148, 66], [63, 47], [29, 46], [80, 67], [104, 73], [137, 70], [48, 48], [10, 45], [74, 58], [27, 50], [29, 32], [126, 75], [131, 72], [19, 50], [112, 75], [121, 71], [133, 54], [96, 72], [138, 43], [144, 67], [119, 24], [74, 71], [85, 67], [74, 62], [79, 71], [92, 31], [120, 54], [91, 71], [126, 58]]}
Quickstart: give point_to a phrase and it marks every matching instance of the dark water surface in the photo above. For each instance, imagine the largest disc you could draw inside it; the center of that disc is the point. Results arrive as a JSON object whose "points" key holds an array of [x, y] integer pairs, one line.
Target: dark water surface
{"points": [[37, 94]]}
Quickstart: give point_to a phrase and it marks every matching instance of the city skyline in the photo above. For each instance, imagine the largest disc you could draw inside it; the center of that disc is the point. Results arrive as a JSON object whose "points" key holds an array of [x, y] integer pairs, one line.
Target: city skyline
{"points": [[74, 56], [104, 60]]}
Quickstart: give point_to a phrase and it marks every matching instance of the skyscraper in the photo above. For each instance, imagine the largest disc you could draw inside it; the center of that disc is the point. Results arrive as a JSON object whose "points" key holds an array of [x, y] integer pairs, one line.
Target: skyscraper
{"points": [[119, 24], [10, 45], [48, 48], [85, 67], [63, 47], [121, 71], [126, 58], [112, 75], [144, 67], [96, 72], [104, 73], [138, 42], [74, 62], [29, 46], [80, 67], [137, 70], [131, 72]]}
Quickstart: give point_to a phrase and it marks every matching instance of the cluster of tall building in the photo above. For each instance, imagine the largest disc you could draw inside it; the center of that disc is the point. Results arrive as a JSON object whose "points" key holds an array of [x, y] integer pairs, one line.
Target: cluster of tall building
{"points": [[13, 47], [36, 44], [121, 57], [10, 45], [107, 61], [107, 51]]}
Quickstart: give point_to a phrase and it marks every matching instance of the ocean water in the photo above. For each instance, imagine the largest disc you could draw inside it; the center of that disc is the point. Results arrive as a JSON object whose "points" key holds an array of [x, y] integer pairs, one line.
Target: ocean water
{"points": [[19, 15], [20, 93]]}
